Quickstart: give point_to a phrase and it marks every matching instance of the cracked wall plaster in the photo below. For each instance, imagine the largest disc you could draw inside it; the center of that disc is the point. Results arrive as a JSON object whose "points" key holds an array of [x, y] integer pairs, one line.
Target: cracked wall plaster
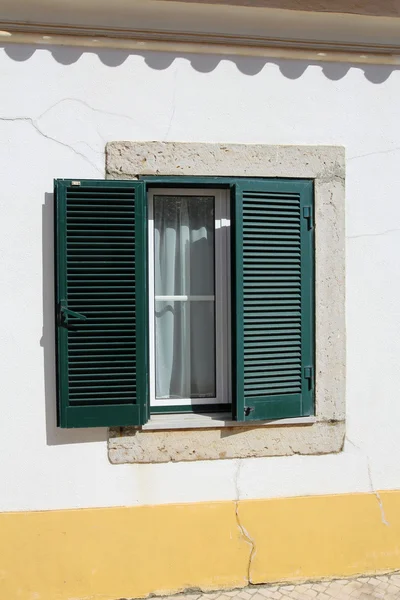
{"points": [[371, 483], [326, 166], [245, 534], [76, 111]]}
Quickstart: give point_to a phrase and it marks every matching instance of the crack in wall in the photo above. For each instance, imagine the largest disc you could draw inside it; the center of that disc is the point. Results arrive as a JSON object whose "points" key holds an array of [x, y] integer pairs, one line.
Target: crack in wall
{"points": [[36, 127], [245, 534], [371, 484], [173, 105], [378, 233], [388, 151], [92, 108], [377, 495], [34, 122]]}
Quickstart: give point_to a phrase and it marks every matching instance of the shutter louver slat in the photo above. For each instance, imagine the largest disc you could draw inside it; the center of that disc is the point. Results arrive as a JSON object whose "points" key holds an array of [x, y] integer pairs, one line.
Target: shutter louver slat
{"points": [[274, 282], [101, 250]]}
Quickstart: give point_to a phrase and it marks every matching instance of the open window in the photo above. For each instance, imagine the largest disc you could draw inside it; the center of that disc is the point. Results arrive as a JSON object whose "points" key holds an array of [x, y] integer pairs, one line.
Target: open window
{"points": [[184, 295]]}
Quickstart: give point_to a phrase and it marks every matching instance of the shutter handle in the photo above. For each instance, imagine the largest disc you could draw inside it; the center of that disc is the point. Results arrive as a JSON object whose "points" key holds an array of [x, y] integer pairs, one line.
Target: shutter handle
{"points": [[71, 313], [63, 313]]}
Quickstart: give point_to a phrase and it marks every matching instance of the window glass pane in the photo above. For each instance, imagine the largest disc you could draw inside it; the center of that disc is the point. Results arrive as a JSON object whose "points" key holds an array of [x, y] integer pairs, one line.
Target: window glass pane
{"points": [[184, 245], [185, 349]]}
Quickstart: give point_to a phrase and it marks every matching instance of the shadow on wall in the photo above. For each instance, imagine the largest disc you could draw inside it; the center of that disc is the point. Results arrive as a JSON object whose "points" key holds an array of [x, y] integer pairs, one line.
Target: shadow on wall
{"points": [[203, 63], [54, 435]]}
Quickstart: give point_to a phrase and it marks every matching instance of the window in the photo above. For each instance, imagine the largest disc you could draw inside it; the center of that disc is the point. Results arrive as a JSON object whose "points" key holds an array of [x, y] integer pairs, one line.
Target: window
{"points": [[189, 302], [184, 295]]}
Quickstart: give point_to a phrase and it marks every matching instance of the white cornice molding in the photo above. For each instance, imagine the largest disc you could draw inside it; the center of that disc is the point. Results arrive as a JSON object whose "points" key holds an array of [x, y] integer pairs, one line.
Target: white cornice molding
{"points": [[198, 27], [42, 35]]}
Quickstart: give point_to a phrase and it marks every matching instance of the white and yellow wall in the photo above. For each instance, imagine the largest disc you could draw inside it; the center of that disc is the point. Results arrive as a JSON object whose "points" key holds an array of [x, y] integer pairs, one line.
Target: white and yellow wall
{"points": [[75, 526]]}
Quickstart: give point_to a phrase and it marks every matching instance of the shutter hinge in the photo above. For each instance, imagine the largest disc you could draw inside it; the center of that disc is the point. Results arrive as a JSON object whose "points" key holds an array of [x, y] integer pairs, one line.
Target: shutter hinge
{"points": [[309, 374], [248, 410], [308, 214], [75, 183]]}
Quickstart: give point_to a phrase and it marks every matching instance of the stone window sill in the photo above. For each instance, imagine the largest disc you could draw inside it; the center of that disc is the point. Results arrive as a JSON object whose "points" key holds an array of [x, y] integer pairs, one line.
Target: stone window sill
{"points": [[215, 420], [221, 439]]}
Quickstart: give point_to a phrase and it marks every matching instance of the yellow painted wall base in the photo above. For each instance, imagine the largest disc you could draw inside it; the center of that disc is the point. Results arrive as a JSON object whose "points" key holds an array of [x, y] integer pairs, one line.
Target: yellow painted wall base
{"points": [[107, 554]]}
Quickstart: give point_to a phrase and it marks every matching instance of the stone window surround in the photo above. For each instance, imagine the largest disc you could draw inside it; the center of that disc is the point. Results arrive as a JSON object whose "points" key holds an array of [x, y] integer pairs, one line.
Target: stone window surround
{"points": [[168, 438]]}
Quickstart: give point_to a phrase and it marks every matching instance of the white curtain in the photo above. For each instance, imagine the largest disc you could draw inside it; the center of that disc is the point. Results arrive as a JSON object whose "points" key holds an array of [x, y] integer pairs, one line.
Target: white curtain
{"points": [[184, 269]]}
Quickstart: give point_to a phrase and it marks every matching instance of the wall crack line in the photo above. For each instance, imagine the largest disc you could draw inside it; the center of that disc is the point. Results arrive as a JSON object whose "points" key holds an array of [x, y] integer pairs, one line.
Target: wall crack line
{"points": [[378, 233], [245, 534], [87, 105], [36, 127], [389, 151], [173, 105], [371, 484]]}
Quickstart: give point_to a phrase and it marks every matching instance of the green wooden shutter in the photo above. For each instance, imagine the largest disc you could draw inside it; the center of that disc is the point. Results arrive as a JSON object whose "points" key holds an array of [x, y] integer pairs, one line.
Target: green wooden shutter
{"points": [[101, 303], [273, 304]]}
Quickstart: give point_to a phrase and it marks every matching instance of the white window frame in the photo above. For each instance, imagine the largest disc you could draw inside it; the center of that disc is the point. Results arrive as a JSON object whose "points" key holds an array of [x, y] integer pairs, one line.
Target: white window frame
{"points": [[221, 298]]}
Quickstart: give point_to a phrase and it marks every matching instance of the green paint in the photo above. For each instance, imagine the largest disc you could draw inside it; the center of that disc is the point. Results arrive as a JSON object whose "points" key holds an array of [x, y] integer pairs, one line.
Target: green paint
{"points": [[273, 295], [101, 300]]}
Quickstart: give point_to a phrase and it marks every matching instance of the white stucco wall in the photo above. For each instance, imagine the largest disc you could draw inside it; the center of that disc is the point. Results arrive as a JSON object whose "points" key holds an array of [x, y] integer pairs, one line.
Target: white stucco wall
{"points": [[58, 108]]}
